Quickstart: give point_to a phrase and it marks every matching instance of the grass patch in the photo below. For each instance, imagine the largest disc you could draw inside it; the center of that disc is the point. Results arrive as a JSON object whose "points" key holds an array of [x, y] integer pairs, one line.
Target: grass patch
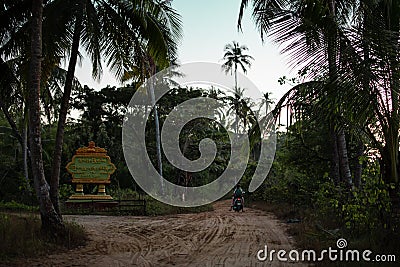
{"points": [[21, 237], [16, 207]]}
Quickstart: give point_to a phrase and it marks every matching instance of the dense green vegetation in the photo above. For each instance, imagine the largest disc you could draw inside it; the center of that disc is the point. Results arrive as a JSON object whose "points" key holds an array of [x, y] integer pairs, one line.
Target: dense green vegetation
{"points": [[36, 37], [337, 160], [100, 120], [337, 163]]}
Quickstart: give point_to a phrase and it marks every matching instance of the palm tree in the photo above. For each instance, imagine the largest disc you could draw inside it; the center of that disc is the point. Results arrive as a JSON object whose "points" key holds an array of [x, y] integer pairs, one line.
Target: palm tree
{"points": [[51, 221], [331, 36], [153, 55], [373, 79], [76, 37], [267, 101], [234, 56], [114, 29], [241, 105], [127, 32], [310, 31]]}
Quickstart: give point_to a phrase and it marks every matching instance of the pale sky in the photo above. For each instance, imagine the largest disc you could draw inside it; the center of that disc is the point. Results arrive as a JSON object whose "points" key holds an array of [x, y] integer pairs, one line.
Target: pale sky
{"points": [[208, 25]]}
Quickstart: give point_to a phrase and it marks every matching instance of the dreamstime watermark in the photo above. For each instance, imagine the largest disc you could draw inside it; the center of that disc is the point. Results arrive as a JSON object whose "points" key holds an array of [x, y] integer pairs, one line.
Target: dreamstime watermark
{"points": [[138, 113], [333, 254]]}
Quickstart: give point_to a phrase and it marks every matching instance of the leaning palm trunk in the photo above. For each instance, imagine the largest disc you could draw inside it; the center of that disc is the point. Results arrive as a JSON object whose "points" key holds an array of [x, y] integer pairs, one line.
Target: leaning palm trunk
{"points": [[55, 172], [22, 139], [51, 222], [11, 122]]}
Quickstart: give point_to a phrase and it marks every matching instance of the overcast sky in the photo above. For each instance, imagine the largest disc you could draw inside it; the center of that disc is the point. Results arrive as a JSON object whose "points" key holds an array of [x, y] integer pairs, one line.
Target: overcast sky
{"points": [[208, 25]]}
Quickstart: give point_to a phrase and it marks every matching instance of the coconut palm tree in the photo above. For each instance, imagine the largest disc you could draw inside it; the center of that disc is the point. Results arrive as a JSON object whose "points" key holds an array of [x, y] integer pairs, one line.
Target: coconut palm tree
{"points": [[235, 56], [267, 101], [51, 221], [113, 29], [310, 30], [126, 33], [21, 45], [373, 79], [241, 106], [360, 92]]}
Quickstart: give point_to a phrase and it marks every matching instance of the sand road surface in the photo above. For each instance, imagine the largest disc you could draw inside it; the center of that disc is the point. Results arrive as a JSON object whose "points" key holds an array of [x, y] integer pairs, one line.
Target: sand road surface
{"points": [[217, 238]]}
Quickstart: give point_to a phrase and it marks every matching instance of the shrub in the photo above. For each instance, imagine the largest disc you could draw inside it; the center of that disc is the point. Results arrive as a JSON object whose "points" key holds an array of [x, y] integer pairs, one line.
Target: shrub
{"points": [[368, 208]]}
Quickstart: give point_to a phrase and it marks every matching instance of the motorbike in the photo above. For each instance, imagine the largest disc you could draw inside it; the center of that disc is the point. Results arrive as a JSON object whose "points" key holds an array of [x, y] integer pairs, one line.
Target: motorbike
{"points": [[238, 204]]}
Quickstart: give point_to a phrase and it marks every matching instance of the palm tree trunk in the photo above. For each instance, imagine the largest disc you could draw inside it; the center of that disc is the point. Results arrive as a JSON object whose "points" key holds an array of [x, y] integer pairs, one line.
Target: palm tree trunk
{"points": [[158, 139], [393, 155], [11, 122], [55, 172], [366, 81], [236, 84], [25, 156], [152, 69], [51, 222], [344, 159], [395, 114], [22, 139], [237, 110], [335, 170], [358, 165], [331, 36]]}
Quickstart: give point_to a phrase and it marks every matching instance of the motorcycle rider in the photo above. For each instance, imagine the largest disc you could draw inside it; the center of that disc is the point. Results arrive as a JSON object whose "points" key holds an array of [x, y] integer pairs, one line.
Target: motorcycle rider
{"points": [[237, 192]]}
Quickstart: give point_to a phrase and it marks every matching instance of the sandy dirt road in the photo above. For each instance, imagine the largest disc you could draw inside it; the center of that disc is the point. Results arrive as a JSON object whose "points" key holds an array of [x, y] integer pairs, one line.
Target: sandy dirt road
{"points": [[217, 238]]}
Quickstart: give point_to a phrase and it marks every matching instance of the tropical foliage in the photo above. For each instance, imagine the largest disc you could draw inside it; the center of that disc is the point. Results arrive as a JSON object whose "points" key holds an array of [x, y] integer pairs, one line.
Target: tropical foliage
{"points": [[337, 160], [38, 36], [344, 110]]}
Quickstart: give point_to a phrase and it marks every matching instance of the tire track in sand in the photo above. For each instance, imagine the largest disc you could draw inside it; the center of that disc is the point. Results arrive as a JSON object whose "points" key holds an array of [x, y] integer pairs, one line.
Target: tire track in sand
{"points": [[217, 238]]}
